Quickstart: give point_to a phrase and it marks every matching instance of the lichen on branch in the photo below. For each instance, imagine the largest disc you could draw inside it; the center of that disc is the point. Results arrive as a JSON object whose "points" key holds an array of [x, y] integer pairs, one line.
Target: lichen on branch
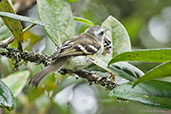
{"points": [[19, 56]]}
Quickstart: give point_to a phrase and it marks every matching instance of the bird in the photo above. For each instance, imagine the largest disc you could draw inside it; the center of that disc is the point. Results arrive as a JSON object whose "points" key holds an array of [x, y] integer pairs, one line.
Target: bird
{"points": [[72, 53]]}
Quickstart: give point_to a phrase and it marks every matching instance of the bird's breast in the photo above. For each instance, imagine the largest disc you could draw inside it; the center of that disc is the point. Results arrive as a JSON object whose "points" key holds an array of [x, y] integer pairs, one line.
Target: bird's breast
{"points": [[76, 63]]}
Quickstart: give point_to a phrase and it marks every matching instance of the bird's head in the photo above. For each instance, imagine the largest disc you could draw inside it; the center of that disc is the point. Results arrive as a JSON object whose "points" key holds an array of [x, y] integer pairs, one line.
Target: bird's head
{"points": [[96, 31]]}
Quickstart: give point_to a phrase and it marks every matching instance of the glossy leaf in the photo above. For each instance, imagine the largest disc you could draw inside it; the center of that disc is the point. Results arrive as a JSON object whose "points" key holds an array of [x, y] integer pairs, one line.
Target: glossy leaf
{"points": [[58, 14], [118, 34], [162, 70], [148, 55], [17, 81], [154, 93], [83, 20], [6, 97], [14, 25]]}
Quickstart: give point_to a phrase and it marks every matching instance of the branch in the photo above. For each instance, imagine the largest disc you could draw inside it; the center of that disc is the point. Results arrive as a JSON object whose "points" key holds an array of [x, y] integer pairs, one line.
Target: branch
{"points": [[106, 82], [18, 55]]}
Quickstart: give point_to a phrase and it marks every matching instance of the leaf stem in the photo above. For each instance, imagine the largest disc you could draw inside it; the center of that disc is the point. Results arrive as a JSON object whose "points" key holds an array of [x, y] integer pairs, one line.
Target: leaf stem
{"points": [[28, 27]]}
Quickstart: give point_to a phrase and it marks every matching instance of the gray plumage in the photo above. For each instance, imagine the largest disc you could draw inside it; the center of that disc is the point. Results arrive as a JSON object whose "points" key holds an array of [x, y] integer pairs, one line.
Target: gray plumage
{"points": [[55, 66], [71, 54]]}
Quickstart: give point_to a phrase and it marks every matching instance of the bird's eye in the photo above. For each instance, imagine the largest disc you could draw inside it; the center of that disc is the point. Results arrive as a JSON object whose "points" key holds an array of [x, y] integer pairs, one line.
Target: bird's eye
{"points": [[101, 33]]}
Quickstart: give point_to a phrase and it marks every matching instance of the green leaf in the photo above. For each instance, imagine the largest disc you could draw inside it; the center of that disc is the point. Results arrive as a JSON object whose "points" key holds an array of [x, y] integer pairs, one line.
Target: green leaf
{"points": [[126, 70], [83, 20], [26, 19], [22, 18], [4, 31], [167, 79], [3, 50], [120, 39], [162, 70], [120, 43], [154, 93], [58, 14], [6, 97], [17, 81], [72, 1], [121, 69], [14, 25], [147, 55]]}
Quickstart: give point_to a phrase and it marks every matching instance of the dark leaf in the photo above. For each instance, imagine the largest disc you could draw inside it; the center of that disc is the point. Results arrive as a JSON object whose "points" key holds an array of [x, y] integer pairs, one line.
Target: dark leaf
{"points": [[162, 70], [154, 93], [148, 55]]}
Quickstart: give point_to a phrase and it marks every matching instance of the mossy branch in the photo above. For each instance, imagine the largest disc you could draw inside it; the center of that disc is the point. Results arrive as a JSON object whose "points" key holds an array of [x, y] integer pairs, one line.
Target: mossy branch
{"points": [[18, 55], [26, 56]]}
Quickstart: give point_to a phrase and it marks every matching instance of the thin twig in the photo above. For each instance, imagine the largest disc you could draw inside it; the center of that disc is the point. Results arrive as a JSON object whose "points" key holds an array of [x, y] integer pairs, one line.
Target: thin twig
{"points": [[7, 42], [12, 38], [28, 27]]}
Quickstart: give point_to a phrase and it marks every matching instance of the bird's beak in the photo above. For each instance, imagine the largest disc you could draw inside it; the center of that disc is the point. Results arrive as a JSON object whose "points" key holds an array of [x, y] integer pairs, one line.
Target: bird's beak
{"points": [[107, 40]]}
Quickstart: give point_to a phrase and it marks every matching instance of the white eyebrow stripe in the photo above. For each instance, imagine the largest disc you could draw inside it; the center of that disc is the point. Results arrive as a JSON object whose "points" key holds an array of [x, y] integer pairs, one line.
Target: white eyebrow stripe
{"points": [[93, 48], [83, 49]]}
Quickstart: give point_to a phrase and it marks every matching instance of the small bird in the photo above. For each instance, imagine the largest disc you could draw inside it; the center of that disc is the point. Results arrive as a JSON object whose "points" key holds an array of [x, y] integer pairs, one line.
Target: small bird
{"points": [[71, 54]]}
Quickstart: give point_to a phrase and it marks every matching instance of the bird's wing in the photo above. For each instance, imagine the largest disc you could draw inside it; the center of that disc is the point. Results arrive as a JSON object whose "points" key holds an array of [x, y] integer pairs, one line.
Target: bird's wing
{"points": [[78, 45]]}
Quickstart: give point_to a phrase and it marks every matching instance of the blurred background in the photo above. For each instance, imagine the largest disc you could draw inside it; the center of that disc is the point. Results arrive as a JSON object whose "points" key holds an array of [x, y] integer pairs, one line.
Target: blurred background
{"points": [[148, 23]]}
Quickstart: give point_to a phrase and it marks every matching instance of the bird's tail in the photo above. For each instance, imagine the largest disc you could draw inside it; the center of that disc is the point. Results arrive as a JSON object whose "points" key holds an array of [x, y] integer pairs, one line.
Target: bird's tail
{"points": [[36, 79]]}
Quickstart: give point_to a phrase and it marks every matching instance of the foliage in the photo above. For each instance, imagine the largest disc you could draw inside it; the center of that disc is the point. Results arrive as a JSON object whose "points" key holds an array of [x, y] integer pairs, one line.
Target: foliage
{"points": [[155, 93], [119, 35], [147, 55], [16, 81], [13, 25], [58, 15], [57, 20], [7, 99]]}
